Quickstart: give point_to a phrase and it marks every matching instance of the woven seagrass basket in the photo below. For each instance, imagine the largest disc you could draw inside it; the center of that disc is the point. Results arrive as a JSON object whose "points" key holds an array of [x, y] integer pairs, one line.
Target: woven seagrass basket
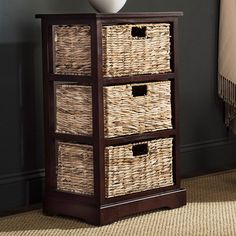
{"points": [[138, 167], [72, 54], [127, 49], [128, 168], [75, 168], [128, 109]]}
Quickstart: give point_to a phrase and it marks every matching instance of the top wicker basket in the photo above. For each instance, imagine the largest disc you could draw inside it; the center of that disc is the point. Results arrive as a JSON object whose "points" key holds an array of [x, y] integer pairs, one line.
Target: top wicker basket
{"points": [[127, 49]]}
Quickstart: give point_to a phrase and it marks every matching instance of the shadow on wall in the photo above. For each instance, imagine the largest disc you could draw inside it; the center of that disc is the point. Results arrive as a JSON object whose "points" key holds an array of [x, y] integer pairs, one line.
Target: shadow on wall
{"points": [[21, 73], [18, 105], [21, 120]]}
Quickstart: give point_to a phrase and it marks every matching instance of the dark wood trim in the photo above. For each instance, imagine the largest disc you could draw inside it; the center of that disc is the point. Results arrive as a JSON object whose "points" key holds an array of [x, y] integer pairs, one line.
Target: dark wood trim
{"points": [[50, 49], [114, 21], [98, 112], [122, 15], [53, 206], [175, 106], [73, 138], [48, 182], [105, 19], [137, 15], [108, 213], [172, 47], [52, 106], [49, 108], [69, 21], [78, 17], [83, 80], [73, 197], [86, 199], [138, 79], [169, 200], [121, 140], [52, 110], [87, 80]]}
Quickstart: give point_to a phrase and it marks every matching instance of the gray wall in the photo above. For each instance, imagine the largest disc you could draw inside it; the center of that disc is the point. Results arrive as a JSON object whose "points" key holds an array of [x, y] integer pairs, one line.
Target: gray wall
{"points": [[205, 143]]}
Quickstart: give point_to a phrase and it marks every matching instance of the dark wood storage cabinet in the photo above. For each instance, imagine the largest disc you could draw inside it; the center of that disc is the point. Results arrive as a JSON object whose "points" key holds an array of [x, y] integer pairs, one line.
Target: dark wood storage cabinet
{"points": [[111, 114]]}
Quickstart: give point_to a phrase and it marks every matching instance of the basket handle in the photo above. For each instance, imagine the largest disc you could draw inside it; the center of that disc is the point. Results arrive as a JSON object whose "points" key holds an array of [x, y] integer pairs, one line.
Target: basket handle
{"points": [[140, 90], [138, 32], [140, 149]]}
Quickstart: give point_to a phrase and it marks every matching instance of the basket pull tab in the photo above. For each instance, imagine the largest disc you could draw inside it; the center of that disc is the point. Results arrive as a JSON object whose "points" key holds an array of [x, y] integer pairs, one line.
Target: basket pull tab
{"points": [[140, 90], [140, 149], [139, 32]]}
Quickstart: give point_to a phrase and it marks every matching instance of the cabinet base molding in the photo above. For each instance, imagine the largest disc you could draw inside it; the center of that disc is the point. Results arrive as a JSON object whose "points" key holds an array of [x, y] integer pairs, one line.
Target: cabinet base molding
{"points": [[109, 213]]}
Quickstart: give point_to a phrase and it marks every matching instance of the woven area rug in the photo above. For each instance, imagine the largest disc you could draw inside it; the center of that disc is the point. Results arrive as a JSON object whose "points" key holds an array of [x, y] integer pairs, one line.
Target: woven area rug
{"points": [[211, 210]]}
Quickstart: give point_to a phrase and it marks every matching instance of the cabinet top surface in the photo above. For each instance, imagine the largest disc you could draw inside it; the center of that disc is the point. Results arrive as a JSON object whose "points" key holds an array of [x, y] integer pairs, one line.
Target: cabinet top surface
{"points": [[117, 15]]}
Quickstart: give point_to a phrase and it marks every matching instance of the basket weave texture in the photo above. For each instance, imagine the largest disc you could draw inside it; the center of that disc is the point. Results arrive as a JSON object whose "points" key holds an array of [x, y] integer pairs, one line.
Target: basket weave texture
{"points": [[75, 168], [123, 53], [72, 54], [74, 109], [127, 114], [124, 113], [126, 173]]}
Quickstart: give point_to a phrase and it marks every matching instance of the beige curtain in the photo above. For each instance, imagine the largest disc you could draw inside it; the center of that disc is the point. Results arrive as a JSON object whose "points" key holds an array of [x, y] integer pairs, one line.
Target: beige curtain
{"points": [[227, 60]]}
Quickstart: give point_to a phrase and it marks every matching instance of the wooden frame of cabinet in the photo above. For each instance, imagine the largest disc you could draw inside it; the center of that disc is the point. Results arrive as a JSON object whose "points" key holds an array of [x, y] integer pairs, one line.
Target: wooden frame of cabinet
{"points": [[97, 209]]}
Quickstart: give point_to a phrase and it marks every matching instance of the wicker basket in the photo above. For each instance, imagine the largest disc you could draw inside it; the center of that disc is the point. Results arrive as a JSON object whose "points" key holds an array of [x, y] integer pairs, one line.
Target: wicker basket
{"points": [[147, 51], [75, 168], [128, 168], [74, 109], [138, 167], [127, 49], [72, 54], [128, 109]]}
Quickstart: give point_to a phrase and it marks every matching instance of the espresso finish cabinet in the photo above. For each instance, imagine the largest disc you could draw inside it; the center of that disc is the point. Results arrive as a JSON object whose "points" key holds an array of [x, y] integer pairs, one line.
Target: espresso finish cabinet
{"points": [[111, 114]]}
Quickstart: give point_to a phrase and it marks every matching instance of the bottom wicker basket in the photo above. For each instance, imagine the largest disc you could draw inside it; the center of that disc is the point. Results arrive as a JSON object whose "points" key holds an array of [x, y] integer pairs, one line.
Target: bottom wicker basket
{"points": [[128, 168], [75, 168]]}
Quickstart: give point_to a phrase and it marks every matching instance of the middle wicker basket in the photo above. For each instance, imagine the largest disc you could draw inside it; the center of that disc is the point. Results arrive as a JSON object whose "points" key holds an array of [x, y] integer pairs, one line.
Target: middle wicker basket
{"points": [[128, 109]]}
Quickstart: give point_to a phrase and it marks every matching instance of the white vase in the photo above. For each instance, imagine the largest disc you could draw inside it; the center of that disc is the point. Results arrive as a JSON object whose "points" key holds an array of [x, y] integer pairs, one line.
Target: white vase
{"points": [[107, 6]]}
